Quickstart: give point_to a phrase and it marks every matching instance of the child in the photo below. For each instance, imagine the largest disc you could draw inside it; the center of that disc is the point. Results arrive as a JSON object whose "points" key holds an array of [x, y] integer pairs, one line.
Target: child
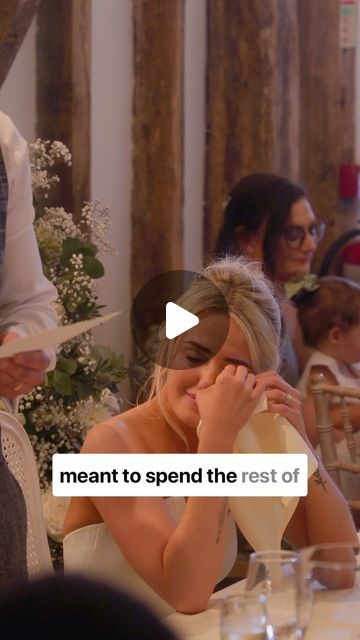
{"points": [[329, 317]]}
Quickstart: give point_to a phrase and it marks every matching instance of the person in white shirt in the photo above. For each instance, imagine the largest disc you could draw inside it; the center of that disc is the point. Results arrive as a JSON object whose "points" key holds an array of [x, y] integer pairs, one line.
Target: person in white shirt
{"points": [[26, 296]]}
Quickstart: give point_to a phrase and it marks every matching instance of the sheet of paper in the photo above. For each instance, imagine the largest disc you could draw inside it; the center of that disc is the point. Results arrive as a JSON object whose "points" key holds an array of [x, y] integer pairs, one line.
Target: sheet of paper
{"points": [[53, 337]]}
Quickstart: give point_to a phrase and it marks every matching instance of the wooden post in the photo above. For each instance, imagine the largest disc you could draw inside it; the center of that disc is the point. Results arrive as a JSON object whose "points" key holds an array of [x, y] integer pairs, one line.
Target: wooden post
{"points": [[63, 91], [327, 80], [157, 231], [15, 19], [252, 87]]}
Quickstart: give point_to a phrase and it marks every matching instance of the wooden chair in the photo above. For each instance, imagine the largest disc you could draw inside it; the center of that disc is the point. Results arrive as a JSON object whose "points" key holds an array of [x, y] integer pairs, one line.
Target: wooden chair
{"points": [[19, 456], [322, 393]]}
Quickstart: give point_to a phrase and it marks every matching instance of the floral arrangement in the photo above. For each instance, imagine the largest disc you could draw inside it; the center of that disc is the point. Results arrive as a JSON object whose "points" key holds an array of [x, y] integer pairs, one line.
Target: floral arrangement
{"points": [[81, 391]]}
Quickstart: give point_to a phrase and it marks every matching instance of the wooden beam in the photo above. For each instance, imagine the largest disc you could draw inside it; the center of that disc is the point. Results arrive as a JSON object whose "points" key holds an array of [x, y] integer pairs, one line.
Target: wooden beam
{"points": [[252, 104], [63, 91], [15, 19], [157, 233], [327, 80]]}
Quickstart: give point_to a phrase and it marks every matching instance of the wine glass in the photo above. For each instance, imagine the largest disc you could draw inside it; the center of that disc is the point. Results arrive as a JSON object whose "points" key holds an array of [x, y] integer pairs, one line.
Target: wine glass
{"points": [[243, 617], [275, 574]]}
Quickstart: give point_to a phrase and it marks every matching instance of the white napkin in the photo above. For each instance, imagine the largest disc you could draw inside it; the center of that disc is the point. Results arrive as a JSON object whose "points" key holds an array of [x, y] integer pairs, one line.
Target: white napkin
{"points": [[263, 520]]}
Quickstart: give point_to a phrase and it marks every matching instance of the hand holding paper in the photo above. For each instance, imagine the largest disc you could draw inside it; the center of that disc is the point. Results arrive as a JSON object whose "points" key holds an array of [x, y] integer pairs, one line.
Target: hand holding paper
{"points": [[52, 337], [23, 361], [23, 372]]}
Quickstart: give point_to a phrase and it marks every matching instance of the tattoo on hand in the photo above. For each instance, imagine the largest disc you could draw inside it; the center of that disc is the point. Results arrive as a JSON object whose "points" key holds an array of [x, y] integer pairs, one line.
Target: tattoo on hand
{"points": [[221, 520], [318, 479]]}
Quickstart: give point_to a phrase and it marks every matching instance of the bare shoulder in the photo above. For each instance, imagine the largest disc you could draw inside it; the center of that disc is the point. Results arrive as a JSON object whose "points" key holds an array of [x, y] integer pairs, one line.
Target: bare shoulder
{"points": [[124, 433], [108, 437]]}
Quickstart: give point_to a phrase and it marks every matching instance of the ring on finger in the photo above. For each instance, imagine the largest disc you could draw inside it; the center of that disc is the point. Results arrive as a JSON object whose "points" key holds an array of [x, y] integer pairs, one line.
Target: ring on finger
{"points": [[288, 399]]}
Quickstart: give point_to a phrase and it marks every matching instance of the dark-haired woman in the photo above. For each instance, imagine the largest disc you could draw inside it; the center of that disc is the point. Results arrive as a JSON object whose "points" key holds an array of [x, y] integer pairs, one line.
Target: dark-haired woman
{"points": [[269, 218]]}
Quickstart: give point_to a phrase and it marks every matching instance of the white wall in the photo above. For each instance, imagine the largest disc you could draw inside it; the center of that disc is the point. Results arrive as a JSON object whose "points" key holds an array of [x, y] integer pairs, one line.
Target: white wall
{"points": [[111, 122], [111, 174], [17, 94], [194, 140]]}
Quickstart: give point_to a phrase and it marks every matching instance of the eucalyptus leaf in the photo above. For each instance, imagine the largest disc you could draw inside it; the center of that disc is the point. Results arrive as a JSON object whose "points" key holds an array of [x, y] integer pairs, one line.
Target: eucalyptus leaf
{"points": [[62, 383], [71, 305], [67, 365], [93, 267], [103, 380], [73, 246], [69, 247], [49, 379], [82, 388], [110, 367], [89, 249]]}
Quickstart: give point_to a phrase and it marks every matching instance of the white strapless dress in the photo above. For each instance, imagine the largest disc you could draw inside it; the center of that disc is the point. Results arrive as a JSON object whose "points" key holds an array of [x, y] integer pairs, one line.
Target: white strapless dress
{"points": [[93, 552]]}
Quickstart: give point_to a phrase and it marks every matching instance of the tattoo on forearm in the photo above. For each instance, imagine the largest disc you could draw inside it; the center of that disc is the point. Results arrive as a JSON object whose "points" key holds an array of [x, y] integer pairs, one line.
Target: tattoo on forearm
{"points": [[221, 520], [318, 479]]}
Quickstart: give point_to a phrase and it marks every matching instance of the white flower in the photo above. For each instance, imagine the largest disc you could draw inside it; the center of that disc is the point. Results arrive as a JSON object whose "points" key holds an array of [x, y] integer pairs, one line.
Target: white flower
{"points": [[89, 412], [110, 401], [54, 510], [60, 310], [43, 155]]}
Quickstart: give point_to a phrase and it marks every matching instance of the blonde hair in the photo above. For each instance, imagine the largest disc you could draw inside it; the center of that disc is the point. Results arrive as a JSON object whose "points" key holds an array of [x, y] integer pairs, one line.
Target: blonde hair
{"points": [[245, 293]]}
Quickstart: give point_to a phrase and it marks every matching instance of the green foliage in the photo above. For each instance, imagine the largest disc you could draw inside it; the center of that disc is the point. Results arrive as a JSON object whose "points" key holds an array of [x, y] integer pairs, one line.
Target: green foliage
{"points": [[78, 392]]}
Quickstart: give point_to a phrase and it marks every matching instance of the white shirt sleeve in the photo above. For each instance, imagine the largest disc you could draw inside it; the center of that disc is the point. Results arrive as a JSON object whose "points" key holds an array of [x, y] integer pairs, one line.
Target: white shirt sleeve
{"points": [[26, 296]]}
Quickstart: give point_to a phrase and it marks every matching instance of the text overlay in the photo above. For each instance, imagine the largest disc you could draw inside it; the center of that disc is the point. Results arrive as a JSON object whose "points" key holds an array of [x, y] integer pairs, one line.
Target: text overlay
{"points": [[159, 474]]}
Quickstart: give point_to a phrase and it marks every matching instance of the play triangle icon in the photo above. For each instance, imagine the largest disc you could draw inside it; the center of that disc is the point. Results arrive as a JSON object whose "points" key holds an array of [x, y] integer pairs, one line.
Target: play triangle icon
{"points": [[178, 320]]}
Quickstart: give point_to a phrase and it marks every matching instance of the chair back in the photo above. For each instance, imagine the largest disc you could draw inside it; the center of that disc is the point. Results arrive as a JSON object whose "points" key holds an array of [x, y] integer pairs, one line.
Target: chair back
{"points": [[19, 455], [322, 394]]}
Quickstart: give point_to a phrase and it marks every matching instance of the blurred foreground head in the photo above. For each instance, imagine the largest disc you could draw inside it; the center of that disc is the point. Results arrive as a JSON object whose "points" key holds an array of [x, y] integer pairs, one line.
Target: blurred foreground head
{"points": [[60, 607]]}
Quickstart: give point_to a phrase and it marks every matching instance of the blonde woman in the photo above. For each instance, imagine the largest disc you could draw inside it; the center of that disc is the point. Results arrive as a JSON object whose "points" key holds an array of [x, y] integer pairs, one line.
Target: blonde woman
{"points": [[174, 559]]}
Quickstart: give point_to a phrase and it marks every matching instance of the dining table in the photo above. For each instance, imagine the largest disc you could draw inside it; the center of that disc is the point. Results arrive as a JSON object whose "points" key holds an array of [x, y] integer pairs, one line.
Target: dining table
{"points": [[335, 616]]}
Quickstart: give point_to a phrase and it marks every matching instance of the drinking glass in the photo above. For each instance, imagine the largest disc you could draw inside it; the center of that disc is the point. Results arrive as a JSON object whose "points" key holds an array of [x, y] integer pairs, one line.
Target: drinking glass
{"points": [[243, 617], [275, 574], [325, 567], [330, 566]]}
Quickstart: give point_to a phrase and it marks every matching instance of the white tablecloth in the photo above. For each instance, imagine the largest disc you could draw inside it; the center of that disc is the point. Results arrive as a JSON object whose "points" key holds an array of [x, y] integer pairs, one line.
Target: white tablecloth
{"points": [[336, 616]]}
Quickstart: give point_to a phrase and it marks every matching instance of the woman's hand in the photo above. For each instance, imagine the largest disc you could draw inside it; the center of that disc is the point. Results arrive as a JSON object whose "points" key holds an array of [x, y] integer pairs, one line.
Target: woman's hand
{"points": [[227, 405], [283, 399]]}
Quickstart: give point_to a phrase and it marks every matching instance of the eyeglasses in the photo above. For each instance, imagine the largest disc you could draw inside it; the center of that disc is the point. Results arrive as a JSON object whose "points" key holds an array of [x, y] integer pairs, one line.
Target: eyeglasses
{"points": [[295, 235]]}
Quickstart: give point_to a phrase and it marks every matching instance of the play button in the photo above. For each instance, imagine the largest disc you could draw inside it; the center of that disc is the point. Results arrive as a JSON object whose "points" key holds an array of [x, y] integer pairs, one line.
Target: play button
{"points": [[178, 320]]}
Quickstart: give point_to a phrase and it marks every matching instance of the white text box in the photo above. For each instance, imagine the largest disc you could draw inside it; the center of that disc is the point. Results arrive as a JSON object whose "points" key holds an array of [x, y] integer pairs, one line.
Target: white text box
{"points": [[197, 474]]}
